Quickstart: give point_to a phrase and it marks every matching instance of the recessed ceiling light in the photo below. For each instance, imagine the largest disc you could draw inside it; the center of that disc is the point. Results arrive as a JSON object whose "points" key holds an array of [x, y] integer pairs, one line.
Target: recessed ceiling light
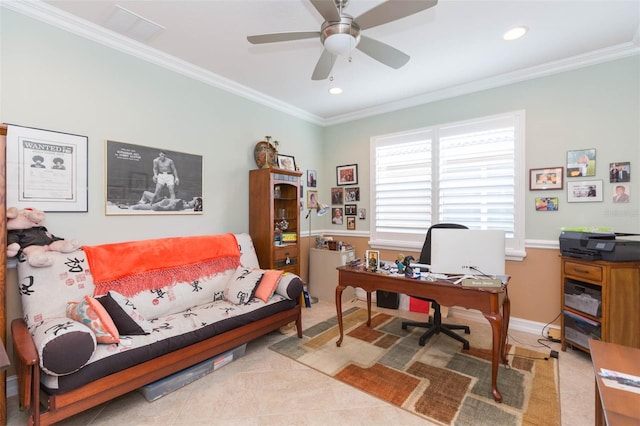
{"points": [[515, 33], [335, 90]]}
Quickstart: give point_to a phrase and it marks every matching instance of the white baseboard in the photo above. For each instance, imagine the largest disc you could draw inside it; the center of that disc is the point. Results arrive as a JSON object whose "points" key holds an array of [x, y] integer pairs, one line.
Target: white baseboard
{"points": [[528, 326]]}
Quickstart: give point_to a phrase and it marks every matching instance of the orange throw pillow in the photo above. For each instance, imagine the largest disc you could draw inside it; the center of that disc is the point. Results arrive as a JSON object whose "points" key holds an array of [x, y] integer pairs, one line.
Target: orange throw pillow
{"points": [[268, 284]]}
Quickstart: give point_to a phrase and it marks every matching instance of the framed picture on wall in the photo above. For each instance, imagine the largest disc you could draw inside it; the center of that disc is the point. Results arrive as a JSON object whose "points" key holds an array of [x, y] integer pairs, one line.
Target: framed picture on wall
{"points": [[143, 180], [620, 172], [581, 163], [312, 178], [547, 204], [351, 223], [350, 209], [46, 170], [347, 175], [584, 191], [549, 178]]}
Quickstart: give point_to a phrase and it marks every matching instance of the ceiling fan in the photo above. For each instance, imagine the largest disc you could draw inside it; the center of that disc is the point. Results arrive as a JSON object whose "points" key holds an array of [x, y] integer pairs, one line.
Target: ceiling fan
{"points": [[340, 33]]}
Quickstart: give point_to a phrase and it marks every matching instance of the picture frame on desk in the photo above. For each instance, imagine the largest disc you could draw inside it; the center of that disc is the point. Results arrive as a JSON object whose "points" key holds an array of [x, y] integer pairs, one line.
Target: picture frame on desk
{"points": [[373, 260]]}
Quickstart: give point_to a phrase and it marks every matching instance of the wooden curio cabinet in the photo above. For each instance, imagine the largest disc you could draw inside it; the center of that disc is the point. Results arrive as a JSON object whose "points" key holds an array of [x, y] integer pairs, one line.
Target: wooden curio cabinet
{"points": [[274, 218]]}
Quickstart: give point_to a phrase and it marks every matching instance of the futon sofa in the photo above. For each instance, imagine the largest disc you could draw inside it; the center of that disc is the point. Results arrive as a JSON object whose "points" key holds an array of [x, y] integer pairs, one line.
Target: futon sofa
{"points": [[108, 319]]}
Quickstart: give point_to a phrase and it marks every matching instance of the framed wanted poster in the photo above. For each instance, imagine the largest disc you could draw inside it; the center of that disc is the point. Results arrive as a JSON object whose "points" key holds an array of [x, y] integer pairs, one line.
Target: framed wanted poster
{"points": [[46, 170]]}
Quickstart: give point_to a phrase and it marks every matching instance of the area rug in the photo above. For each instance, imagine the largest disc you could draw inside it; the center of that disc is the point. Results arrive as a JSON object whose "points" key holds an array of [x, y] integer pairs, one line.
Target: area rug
{"points": [[440, 381]]}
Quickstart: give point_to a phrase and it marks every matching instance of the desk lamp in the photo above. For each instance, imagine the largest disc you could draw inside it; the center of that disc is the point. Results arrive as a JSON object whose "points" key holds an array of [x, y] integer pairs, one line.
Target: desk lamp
{"points": [[321, 209]]}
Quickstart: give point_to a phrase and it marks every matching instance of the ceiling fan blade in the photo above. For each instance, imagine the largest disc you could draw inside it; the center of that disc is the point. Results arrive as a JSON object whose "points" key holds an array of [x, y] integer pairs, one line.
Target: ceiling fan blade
{"points": [[391, 10], [382, 52], [327, 8], [272, 38], [324, 65]]}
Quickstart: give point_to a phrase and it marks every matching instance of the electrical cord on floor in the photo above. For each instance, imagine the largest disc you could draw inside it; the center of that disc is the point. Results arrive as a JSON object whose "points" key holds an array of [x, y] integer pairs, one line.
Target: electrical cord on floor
{"points": [[547, 338]]}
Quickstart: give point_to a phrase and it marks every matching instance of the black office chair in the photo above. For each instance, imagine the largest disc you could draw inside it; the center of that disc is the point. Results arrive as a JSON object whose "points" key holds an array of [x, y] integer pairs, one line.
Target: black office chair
{"points": [[435, 325]]}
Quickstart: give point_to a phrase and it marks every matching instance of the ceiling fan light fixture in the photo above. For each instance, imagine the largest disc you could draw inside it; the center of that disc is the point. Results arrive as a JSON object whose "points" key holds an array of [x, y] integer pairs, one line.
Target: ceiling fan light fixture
{"points": [[515, 33], [335, 90], [340, 44]]}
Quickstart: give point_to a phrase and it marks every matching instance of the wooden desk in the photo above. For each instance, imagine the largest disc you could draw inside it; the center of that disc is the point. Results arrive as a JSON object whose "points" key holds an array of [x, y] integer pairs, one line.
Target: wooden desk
{"points": [[486, 300], [615, 406]]}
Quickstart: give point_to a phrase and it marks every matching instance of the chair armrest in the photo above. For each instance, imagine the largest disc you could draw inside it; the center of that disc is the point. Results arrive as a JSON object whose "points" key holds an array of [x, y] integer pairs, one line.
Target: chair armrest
{"points": [[23, 346]]}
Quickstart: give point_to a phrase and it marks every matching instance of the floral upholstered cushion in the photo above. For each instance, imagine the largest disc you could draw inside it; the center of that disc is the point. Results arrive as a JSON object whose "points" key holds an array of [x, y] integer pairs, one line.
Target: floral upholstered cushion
{"points": [[92, 314]]}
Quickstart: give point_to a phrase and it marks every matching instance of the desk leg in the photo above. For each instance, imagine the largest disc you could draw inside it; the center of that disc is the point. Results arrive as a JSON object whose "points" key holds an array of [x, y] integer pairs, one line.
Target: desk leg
{"points": [[369, 309], [506, 315], [339, 290], [496, 352]]}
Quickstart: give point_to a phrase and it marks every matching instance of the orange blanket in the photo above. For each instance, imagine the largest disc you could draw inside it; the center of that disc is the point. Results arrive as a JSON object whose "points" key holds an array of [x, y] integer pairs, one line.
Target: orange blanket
{"points": [[136, 266]]}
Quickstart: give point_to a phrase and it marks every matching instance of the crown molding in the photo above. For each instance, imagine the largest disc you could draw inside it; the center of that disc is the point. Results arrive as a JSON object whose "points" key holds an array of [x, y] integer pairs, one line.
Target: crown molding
{"points": [[619, 51], [43, 12]]}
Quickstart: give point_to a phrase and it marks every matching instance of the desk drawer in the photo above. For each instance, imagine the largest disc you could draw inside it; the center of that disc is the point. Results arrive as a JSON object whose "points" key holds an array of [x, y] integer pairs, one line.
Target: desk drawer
{"points": [[580, 270]]}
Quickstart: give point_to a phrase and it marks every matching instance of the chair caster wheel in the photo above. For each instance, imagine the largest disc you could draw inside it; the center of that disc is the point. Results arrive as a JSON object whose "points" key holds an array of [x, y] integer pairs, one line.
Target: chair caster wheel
{"points": [[467, 331], [465, 346], [404, 326]]}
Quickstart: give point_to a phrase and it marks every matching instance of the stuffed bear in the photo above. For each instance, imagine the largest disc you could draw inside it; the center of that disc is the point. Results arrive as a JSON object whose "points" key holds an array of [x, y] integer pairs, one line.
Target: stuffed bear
{"points": [[26, 236]]}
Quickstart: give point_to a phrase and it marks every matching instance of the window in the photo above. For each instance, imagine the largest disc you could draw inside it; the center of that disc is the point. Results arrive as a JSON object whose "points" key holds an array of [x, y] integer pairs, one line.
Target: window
{"points": [[470, 173]]}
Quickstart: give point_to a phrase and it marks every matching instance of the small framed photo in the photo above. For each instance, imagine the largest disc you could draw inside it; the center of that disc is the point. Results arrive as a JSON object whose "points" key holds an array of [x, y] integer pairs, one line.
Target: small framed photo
{"points": [[347, 175], [287, 162], [352, 194], [550, 178], [350, 209], [373, 260], [351, 223], [581, 163], [547, 204], [584, 191], [312, 178], [619, 172], [362, 213], [621, 193], [337, 216], [312, 199], [337, 196]]}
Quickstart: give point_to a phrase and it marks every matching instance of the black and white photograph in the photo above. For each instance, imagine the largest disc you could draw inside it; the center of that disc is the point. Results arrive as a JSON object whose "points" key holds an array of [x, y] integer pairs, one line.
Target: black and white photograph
{"points": [[149, 181], [350, 209], [46, 170], [585, 191], [352, 194]]}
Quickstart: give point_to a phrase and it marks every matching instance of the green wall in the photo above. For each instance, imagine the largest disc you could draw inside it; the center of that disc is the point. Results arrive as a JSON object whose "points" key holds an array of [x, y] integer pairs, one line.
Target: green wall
{"points": [[592, 107], [55, 80]]}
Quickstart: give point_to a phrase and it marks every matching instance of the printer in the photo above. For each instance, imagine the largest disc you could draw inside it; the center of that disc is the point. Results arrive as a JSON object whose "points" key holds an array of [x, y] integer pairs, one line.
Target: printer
{"points": [[599, 246]]}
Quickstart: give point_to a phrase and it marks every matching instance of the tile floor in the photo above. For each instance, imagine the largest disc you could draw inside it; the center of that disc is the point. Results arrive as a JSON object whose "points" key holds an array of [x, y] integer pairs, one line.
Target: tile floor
{"points": [[265, 388]]}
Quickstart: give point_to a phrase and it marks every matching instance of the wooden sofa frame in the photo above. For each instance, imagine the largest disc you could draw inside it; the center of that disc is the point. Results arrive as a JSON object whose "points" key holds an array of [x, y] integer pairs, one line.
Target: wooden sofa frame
{"points": [[64, 405]]}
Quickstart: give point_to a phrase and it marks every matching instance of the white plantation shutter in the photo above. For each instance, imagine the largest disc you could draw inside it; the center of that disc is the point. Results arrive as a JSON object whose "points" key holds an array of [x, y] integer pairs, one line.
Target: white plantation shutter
{"points": [[477, 175], [467, 173]]}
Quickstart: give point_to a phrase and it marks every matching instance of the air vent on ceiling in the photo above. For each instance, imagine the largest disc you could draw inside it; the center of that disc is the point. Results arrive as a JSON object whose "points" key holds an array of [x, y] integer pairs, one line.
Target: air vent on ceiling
{"points": [[132, 25]]}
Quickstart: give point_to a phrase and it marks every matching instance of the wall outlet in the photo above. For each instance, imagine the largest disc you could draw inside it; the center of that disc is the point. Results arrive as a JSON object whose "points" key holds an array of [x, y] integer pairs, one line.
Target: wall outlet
{"points": [[554, 333]]}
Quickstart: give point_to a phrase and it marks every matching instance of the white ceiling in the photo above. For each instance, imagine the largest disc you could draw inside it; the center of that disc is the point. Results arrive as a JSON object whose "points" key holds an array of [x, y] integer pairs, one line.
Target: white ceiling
{"points": [[455, 47]]}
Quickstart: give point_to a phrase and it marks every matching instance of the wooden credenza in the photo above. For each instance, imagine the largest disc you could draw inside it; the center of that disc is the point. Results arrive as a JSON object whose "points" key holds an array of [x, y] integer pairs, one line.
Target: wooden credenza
{"points": [[599, 300]]}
